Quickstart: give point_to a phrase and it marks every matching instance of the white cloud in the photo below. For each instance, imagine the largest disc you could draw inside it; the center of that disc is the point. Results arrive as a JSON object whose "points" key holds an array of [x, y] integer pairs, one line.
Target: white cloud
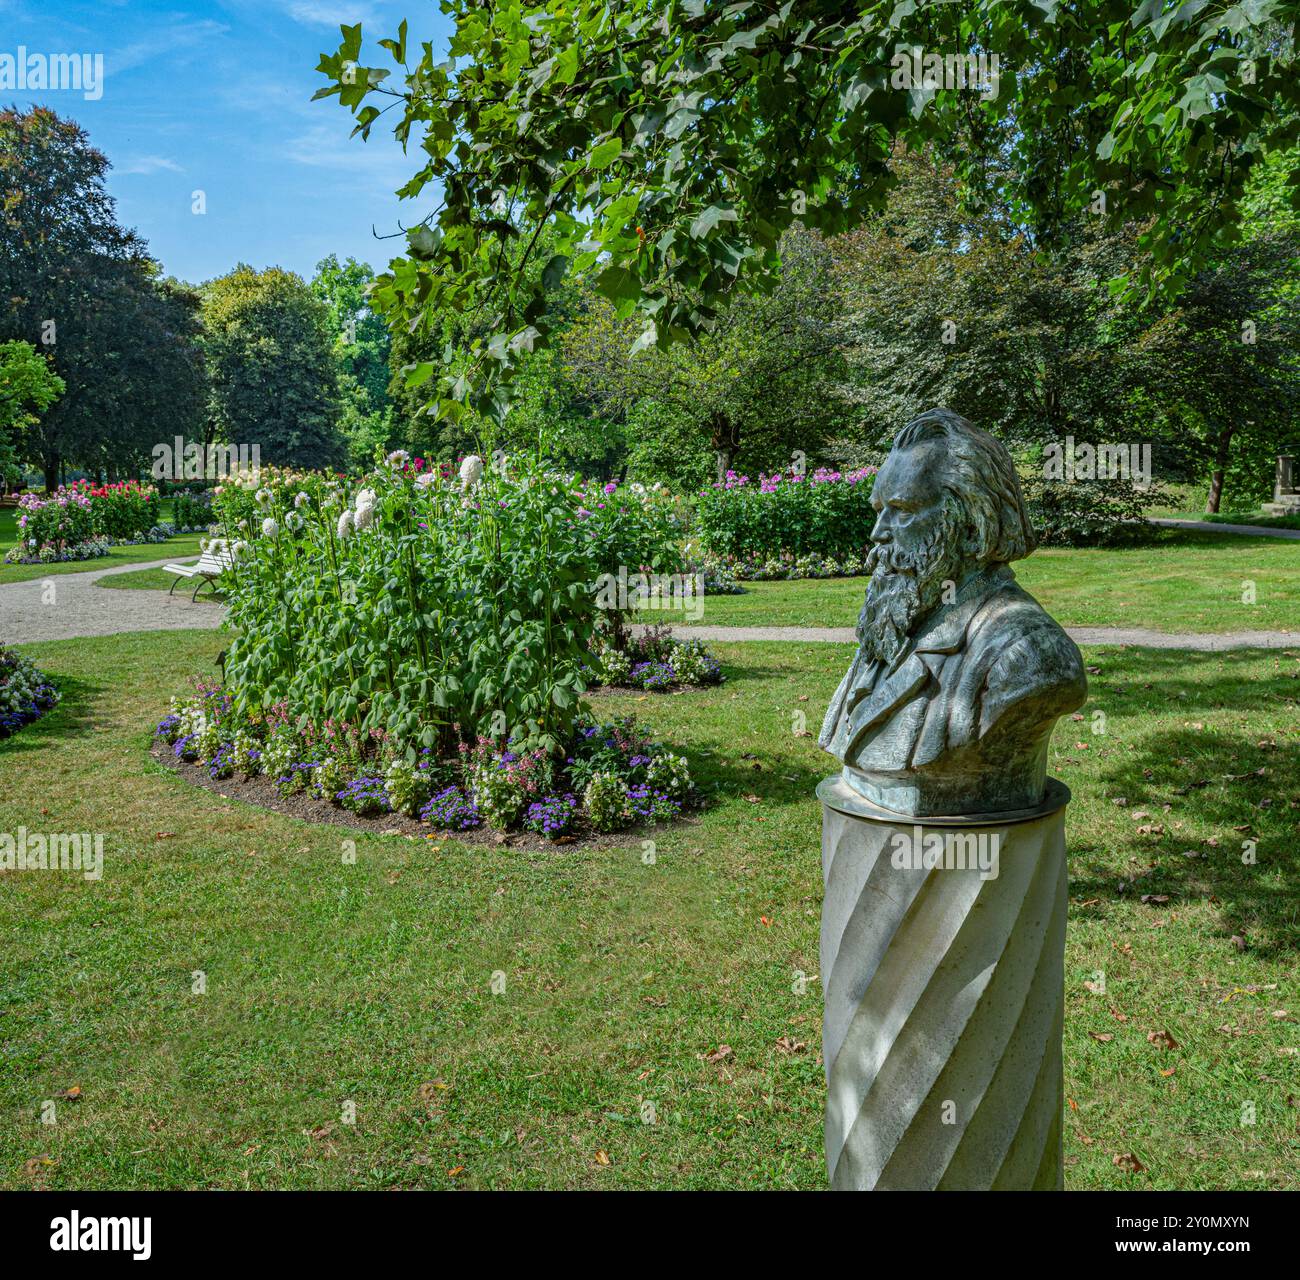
{"points": [[170, 40], [149, 164], [332, 13]]}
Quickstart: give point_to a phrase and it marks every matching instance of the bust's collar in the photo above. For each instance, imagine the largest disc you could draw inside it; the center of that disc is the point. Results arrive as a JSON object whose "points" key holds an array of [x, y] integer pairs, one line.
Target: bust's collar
{"points": [[945, 631]]}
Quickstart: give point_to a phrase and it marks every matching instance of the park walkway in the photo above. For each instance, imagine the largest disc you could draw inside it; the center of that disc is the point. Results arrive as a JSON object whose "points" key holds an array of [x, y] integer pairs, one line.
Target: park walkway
{"points": [[64, 605], [1139, 637], [1209, 526], [77, 607]]}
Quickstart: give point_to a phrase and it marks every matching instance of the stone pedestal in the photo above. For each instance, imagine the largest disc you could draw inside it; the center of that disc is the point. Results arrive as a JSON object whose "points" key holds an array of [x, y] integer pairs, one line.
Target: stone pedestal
{"points": [[944, 995], [1286, 497]]}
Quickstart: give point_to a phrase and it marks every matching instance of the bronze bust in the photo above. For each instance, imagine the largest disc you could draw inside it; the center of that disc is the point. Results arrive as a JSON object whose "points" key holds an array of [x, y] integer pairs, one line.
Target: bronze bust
{"points": [[960, 674]]}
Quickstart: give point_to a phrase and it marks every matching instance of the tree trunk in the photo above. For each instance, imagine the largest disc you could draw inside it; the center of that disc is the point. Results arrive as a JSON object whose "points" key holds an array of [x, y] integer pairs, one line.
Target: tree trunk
{"points": [[50, 464], [1220, 466], [725, 438]]}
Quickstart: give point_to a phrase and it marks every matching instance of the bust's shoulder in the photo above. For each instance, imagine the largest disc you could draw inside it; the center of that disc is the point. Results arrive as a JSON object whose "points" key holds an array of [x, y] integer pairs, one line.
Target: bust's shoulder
{"points": [[1017, 640]]}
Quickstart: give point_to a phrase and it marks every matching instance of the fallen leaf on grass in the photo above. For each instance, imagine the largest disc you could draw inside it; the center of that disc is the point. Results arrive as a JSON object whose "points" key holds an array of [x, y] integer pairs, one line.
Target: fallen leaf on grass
{"points": [[788, 1044], [1104, 1036], [1162, 1039], [1127, 1161], [722, 1052], [602, 1158]]}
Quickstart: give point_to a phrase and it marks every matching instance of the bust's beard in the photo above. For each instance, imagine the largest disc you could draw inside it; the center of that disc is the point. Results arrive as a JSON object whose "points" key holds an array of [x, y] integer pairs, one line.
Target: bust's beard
{"points": [[903, 588]]}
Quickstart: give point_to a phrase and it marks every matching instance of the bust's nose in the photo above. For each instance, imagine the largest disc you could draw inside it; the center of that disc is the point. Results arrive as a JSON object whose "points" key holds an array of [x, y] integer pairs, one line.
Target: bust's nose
{"points": [[880, 531]]}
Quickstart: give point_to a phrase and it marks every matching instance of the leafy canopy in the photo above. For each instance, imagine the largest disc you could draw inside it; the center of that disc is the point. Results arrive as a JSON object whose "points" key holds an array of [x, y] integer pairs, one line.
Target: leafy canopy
{"points": [[668, 143]]}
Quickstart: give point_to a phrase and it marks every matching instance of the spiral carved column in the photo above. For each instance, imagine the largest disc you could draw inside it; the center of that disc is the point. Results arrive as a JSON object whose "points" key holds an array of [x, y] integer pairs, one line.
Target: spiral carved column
{"points": [[944, 998]]}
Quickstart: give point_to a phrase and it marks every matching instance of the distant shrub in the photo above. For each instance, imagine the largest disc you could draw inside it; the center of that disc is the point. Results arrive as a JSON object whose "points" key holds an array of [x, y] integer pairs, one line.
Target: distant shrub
{"points": [[192, 510], [1088, 513], [123, 510]]}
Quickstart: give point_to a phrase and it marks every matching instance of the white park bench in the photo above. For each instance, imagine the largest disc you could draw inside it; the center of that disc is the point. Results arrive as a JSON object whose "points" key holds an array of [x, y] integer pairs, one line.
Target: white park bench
{"points": [[210, 567]]}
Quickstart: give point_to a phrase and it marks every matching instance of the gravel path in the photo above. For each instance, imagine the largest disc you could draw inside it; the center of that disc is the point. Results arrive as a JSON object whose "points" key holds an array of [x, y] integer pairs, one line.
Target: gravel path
{"points": [[70, 604], [77, 607], [1209, 526], [1140, 637]]}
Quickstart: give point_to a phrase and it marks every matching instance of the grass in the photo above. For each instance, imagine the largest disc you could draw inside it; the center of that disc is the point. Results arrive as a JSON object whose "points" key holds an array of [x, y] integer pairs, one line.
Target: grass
{"points": [[179, 547], [157, 580], [1253, 515], [1186, 581], [369, 983]]}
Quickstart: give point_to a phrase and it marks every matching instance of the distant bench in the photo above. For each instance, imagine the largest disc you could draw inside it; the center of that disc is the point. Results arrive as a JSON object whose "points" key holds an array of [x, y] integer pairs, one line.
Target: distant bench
{"points": [[210, 567]]}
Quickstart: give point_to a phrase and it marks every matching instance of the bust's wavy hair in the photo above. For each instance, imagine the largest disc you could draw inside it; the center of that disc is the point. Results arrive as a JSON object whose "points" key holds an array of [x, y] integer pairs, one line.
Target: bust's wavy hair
{"points": [[979, 473]]}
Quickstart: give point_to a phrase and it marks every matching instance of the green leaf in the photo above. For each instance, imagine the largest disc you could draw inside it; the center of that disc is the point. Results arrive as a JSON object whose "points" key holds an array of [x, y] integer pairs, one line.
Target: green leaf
{"points": [[707, 220], [604, 154]]}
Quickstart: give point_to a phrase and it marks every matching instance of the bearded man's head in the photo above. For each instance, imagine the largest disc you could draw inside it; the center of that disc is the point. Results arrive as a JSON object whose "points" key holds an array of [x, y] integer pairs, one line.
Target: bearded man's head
{"points": [[948, 503]]}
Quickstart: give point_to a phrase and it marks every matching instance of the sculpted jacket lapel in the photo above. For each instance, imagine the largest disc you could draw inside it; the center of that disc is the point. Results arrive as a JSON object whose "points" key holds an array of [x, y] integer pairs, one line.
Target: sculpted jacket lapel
{"points": [[917, 667]]}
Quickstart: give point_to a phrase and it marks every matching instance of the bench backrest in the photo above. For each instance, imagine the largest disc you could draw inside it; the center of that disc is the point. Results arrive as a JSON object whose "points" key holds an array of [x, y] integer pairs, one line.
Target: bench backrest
{"points": [[211, 562]]}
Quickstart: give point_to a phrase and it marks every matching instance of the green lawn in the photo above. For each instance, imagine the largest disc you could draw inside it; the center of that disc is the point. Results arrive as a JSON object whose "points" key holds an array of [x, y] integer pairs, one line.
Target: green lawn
{"points": [[1187, 581], [1255, 516], [369, 983], [157, 580], [180, 547]]}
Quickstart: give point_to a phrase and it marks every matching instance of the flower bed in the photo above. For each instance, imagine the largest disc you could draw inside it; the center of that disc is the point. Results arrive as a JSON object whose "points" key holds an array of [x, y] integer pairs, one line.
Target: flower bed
{"points": [[825, 513], [121, 511], [82, 521], [25, 693], [656, 661], [438, 608], [732, 572], [608, 778]]}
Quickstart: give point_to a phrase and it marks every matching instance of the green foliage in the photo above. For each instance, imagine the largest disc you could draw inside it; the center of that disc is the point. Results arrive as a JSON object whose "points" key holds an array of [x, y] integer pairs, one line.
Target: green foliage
{"points": [[667, 146], [1223, 371], [123, 340], [946, 307], [361, 349], [758, 389], [192, 510], [270, 355], [431, 607], [1088, 513], [826, 513], [28, 386]]}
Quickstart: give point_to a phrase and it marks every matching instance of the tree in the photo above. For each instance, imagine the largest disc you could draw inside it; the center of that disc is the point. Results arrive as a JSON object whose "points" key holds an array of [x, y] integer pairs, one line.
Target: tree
{"points": [[668, 145], [759, 389], [270, 356], [82, 289], [1224, 367], [361, 348], [949, 306], [28, 386]]}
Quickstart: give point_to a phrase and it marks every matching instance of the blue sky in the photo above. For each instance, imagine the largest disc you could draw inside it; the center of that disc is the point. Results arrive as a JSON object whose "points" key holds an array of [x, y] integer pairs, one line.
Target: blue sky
{"points": [[217, 97]]}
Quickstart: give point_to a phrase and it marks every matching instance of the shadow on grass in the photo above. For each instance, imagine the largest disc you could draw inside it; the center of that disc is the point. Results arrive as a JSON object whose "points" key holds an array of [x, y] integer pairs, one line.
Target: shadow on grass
{"points": [[1172, 677], [1201, 775], [70, 719]]}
